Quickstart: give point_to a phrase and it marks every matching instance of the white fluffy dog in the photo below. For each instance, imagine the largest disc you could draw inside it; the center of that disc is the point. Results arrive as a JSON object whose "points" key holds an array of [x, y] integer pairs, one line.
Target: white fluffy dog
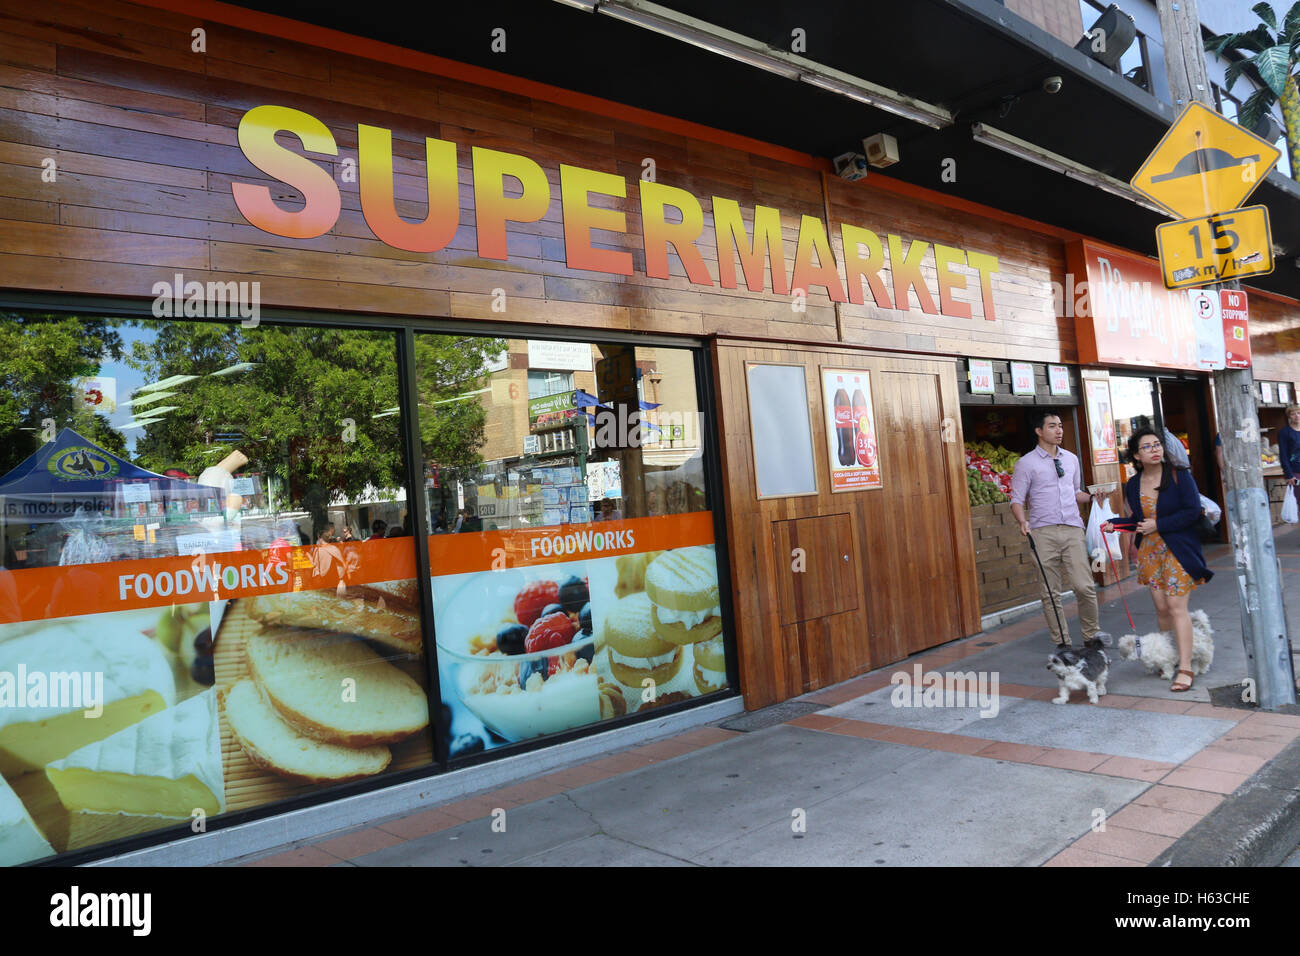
{"points": [[1158, 651]]}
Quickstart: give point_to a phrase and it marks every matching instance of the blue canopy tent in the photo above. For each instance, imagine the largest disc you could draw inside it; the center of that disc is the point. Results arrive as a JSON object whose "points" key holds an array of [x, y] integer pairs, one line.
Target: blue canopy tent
{"points": [[71, 475]]}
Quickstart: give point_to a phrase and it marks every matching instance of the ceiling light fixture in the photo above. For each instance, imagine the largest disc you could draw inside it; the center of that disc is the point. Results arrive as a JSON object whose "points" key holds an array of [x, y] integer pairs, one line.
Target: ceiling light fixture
{"points": [[743, 49], [1022, 149], [697, 33]]}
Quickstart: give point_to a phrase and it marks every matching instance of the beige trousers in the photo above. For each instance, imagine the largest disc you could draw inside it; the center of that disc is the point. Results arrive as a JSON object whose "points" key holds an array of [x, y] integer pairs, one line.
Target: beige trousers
{"points": [[1064, 555]]}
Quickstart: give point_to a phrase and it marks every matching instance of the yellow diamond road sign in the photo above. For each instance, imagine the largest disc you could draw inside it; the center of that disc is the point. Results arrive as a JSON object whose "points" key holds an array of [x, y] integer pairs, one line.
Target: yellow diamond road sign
{"points": [[1205, 164], [1215, 248]]}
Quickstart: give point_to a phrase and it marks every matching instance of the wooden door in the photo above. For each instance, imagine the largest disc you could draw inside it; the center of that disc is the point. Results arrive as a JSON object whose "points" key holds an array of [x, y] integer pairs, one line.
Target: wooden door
{"points": [[916, 567], [890, 571]]}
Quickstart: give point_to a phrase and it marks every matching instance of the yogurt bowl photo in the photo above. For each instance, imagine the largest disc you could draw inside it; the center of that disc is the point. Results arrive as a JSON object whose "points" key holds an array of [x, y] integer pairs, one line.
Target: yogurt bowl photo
{"points": [[516, 648]]}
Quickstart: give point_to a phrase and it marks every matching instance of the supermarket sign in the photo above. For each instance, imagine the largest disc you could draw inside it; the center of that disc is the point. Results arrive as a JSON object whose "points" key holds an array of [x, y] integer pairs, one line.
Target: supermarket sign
{"points": [[1131, 318], [508, 188]]}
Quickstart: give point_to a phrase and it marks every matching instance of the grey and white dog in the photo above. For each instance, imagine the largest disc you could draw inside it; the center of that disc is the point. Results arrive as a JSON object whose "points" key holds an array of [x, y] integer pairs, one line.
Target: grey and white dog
{"points": [[1085, 669]]}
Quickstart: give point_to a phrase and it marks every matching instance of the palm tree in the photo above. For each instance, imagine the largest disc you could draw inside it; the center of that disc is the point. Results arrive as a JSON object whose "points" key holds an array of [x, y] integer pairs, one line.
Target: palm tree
{"points": [[1273, 62]]}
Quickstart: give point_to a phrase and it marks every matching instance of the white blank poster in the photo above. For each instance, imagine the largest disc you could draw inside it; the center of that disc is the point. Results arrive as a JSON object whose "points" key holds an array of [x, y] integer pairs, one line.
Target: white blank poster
{"points": [[778, 419]]}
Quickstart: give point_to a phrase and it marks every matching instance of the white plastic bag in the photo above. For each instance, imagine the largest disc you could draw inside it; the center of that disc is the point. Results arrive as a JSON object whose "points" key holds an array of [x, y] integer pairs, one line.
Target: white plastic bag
{"points": [[1098, 542], [1290, 513], [1211, 509]]}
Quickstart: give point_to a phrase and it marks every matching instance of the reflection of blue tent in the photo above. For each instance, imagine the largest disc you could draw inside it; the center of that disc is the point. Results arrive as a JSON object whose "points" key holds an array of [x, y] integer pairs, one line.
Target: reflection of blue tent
{"points": [[71, 473]]}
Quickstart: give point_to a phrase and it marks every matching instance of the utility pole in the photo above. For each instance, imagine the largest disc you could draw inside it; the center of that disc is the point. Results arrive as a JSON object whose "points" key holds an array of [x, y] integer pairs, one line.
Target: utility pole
{"points": [[1263, 625]]}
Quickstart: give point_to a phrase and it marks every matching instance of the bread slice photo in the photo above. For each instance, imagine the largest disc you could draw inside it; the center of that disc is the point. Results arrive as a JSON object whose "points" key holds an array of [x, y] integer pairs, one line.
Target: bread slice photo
{"points": [[334, 688], [391, 622], [274, 745]]}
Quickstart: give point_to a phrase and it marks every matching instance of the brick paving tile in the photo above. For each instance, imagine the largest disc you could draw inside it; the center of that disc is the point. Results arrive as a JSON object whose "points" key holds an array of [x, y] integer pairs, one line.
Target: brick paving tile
{"points": [[1170, 823], [473, 808], [1268, 749], [705, 736], [1134, 768], [1123, 842], [1282, 720], [1017, 753], [302, 856], [1073, 856], [1009, 689], [816, 721], [1118, 701], [957, 744], [1212, 758], [621, 762], [1197, 778], [352, 845], [1161, 706], [578, 776], [420, 824], [1198, 802], [1071, 759], [1269, 733], [862, 728], [527, 791], [1218, 713], [1045, 693], [908, 735], [838, 695]]}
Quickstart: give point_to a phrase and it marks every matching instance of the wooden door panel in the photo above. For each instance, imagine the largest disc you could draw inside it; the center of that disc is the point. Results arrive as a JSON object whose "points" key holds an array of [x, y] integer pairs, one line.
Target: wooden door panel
{"points": [[821, 578]]}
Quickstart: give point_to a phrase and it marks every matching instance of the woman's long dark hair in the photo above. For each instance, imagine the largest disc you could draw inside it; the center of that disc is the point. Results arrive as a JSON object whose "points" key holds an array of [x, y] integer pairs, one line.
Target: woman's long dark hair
{"points": [[1167, 476]]}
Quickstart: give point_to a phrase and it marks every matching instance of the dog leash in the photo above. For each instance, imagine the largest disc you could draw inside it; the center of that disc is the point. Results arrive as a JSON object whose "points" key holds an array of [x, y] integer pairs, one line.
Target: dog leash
{"points": [[1105, 546], [1065, 635]]}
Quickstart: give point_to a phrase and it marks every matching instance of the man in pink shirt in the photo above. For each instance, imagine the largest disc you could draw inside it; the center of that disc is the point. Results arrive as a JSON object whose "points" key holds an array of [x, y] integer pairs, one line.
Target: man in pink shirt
{"points": [[1050, 481]]}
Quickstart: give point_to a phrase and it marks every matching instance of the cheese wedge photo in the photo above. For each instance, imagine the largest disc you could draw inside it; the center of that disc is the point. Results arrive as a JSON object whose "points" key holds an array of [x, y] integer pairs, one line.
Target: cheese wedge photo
{"points": [[20, 840], [167, 765], [136, 678]]}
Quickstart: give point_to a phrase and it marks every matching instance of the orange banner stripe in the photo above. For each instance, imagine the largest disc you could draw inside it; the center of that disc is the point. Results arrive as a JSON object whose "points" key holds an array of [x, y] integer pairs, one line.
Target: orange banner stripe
{"points": [[487, 550]]}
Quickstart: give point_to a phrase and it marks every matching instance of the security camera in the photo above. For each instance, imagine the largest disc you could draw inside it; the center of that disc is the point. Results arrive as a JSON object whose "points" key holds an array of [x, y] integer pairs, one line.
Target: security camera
{"points": [[1052, 84], [851, 166]]}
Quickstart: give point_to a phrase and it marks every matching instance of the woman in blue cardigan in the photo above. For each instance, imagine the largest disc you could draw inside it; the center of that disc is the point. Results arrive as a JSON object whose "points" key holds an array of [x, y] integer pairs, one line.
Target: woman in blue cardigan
{"points": [[1165, 504]]}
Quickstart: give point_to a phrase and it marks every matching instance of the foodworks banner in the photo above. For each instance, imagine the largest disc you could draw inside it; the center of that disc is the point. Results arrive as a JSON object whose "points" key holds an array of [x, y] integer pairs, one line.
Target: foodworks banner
{"points": [[545, 630]]}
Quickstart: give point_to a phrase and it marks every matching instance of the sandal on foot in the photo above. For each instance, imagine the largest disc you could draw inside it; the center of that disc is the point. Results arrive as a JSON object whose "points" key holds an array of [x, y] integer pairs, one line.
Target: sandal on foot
{"points": [[1178, 686]]}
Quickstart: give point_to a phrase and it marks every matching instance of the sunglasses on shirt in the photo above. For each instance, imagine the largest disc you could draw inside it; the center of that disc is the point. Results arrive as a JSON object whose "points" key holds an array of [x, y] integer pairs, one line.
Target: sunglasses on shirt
{"points": [[1060, 471]]}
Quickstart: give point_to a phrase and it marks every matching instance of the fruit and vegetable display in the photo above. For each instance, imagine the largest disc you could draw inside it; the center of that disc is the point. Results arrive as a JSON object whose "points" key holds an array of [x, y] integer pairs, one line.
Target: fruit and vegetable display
{"points": [[988, 473]]}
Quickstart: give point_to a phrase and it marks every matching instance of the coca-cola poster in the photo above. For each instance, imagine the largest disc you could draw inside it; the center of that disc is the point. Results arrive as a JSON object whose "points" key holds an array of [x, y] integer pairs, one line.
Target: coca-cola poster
{"points": [[850, 429]]}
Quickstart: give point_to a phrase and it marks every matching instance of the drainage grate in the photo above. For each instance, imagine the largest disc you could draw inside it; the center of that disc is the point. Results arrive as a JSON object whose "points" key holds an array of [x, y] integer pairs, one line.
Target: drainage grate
{"points": [[771, 716], [1230, 696]]}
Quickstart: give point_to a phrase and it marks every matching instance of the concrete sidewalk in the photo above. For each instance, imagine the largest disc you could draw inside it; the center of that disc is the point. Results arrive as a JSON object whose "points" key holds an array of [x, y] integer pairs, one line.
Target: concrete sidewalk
{"points": [[843, 776]]}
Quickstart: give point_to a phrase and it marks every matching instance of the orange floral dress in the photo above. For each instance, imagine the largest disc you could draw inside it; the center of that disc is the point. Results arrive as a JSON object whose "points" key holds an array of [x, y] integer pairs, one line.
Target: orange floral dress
{"points": [[1157, 566]]}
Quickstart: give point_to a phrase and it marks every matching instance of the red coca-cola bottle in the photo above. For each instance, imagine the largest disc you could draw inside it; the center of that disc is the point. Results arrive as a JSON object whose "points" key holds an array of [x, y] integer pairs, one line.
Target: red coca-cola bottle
{"points": [[844, 424], [864, 442]]}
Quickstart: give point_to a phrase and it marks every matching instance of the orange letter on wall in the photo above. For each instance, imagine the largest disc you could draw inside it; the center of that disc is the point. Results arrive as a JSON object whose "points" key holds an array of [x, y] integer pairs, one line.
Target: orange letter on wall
{"points": [[812, 236], [907, 273], [732, 240], [580, 218], [857, 268], [379, 205], [945, 256], [985, 266], [493, 208], [657, 232], [257, 131]]}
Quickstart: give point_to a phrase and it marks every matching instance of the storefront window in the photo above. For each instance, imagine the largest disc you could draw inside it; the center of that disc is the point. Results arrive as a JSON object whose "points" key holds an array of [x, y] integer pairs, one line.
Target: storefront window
{"points": [[196, 535], [1134, 400], [572, 547]]}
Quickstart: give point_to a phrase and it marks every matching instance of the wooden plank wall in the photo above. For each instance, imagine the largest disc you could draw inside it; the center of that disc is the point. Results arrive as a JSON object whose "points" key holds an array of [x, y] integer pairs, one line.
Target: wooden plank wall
{"points": [[144, 134], [911, 553]]}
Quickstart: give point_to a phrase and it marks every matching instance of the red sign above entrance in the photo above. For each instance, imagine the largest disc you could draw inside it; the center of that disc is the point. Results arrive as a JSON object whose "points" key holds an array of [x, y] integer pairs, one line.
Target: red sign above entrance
{"points": [[1125, 315]]}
